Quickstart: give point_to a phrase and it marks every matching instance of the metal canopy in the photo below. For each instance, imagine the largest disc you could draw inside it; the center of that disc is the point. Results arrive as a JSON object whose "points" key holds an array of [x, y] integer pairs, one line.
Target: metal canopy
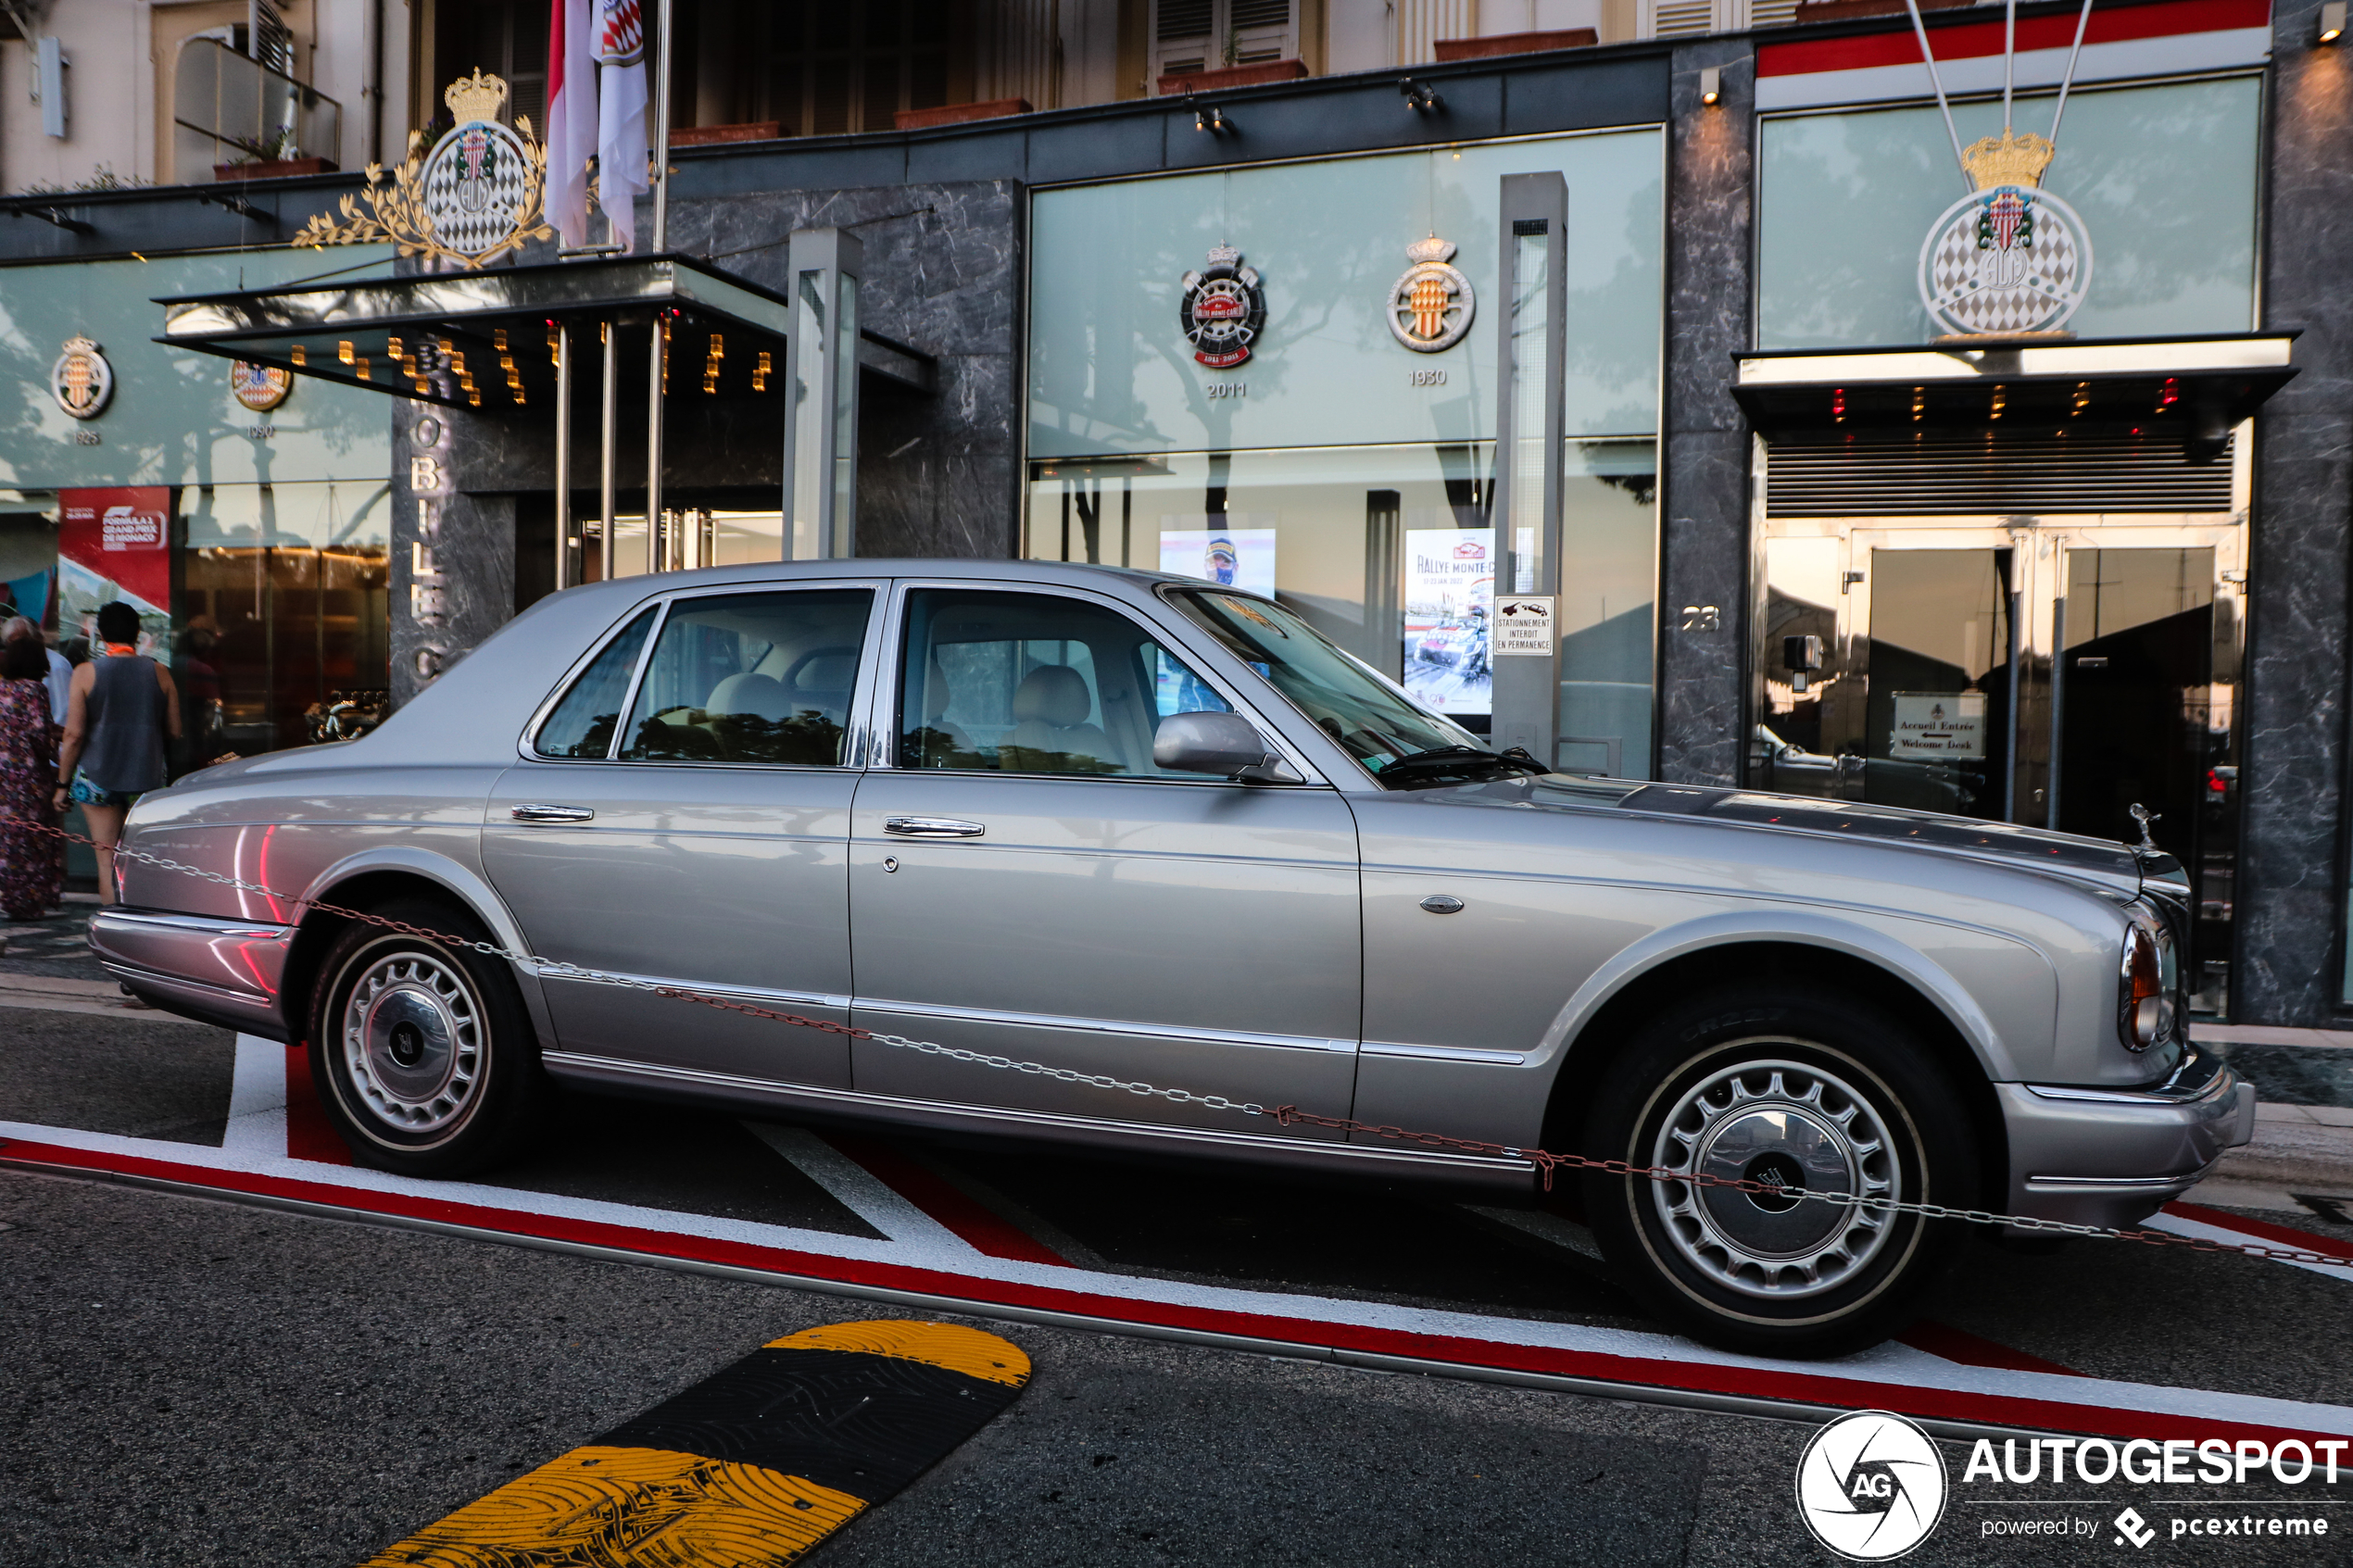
{"points": [[487, 339], [2199, 385]]}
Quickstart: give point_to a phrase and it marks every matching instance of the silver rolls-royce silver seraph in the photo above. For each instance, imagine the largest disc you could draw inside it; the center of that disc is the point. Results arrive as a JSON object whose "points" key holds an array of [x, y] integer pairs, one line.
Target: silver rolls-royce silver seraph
{"points": [[1144, 830]]}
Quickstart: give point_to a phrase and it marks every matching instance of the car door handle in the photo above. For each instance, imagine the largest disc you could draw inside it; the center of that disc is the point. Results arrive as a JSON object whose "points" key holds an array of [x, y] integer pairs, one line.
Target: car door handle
{"points": [[932, 827], [552, 813]]}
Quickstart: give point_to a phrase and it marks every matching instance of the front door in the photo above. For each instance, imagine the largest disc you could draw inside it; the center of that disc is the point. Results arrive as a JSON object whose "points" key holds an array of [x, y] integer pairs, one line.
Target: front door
{"points": [[1028, 883], [704, 841], [2051, 671]]}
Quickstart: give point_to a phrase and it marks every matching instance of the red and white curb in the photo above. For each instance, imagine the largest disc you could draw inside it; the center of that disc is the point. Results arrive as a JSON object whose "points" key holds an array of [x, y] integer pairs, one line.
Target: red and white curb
{"points": [[928, 1252]]}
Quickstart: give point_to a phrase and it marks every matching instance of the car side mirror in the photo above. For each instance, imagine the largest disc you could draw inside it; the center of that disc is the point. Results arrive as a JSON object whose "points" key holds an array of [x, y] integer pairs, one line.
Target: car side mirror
{"points": [[1217, 743]]}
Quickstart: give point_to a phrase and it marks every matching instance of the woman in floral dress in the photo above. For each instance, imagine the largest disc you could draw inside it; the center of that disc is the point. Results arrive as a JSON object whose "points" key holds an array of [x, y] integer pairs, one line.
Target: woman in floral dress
{"points": [[28, 864]]}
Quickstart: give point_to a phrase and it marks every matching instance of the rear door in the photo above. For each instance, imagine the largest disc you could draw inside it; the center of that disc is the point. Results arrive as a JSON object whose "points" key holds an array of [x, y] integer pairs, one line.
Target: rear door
{"points": [[702, 840]]}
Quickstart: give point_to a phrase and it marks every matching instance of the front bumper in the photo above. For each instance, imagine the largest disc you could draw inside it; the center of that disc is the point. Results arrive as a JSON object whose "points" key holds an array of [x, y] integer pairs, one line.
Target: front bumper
{"points": [[2113, 1157], [223, 971]]}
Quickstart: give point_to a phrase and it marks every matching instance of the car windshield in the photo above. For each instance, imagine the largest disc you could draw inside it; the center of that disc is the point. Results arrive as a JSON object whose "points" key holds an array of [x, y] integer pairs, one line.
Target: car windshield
{"points": [[1397, 741]]}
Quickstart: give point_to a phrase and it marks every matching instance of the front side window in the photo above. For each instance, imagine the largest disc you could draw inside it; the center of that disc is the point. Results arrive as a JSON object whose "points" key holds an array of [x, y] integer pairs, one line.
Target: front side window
{"points": [[1034, 684], [582, 724], [752, 678], [1402, 745]]}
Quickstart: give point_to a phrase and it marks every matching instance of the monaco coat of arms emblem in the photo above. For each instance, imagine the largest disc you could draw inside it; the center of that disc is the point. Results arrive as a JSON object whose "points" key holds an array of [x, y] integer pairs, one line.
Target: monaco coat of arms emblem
{"points": [[1223, 310], [2009, 259], [473, 197], [1430, 307], [82, 381]]}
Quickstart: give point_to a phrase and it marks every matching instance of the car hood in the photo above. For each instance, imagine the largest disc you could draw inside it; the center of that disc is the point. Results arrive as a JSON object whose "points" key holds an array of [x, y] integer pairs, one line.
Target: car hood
{"points": [[2103, 862]]}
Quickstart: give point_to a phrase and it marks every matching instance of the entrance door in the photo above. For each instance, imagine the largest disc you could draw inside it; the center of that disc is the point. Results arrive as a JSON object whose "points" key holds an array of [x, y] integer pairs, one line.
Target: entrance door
{"points": [[2053, 671]]}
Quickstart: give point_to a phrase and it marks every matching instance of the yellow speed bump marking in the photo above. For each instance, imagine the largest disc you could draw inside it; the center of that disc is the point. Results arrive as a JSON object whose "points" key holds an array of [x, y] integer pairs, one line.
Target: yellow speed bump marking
{"points": [[753, 1465]]}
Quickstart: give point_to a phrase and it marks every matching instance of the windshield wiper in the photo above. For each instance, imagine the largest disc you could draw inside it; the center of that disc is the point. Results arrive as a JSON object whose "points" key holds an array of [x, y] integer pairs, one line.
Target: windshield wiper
{"points": [[1463, 759]]}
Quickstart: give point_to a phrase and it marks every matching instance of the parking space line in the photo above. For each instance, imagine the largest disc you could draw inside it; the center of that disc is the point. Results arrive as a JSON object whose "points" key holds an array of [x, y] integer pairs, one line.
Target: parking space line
{"points": [[753, 1467], [1614, 1362], [2212, 1224], [257, 1099], [1970, 1350], [858, 1189], [972, 1223]]}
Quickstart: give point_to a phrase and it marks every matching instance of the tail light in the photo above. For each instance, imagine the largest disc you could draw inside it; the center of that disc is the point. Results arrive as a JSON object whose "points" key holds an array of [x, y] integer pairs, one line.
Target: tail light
{"points": [[2145, 1002]]}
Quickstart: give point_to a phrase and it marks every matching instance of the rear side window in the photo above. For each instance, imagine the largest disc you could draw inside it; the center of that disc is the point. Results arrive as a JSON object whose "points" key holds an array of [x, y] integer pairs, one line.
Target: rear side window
{"points": [[583, 724], [752, 678]]}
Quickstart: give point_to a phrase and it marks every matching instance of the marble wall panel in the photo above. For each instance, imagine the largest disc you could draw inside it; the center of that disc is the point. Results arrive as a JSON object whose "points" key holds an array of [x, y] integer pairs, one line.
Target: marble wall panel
{"points": [[2291, 889], [1704, 499]]}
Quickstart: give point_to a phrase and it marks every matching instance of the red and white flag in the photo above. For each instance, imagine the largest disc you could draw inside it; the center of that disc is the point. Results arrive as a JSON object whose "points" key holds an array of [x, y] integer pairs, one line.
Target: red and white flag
{"points": [[572, 115], [622, 142]]}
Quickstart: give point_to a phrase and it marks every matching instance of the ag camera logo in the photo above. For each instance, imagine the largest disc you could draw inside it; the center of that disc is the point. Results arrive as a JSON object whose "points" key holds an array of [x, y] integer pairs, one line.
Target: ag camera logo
{"points": [[1871, 1486]]}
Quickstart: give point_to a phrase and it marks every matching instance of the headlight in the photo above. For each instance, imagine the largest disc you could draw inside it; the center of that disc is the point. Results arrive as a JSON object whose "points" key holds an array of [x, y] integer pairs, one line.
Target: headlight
{"points": [[2148, 982]]}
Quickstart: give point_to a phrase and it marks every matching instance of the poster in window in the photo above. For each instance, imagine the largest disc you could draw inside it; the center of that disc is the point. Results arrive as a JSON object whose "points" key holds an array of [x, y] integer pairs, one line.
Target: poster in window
{"points": [[1235, 557], [117, 544], [1450, 583]]}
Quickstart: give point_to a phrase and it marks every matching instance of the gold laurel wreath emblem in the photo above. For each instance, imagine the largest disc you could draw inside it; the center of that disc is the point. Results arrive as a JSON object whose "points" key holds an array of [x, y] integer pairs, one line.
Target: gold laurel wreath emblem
{"points": [[396, 211]]}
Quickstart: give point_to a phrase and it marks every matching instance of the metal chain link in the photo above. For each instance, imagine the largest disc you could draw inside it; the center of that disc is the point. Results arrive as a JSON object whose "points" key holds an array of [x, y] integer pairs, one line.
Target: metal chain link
{"points": [[1545, 1162]]}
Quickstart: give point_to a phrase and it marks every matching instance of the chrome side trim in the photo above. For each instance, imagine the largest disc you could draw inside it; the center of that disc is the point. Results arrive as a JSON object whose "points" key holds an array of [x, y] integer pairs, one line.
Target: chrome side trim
{"points": [[1003, 1119], [2168, 1185], [1444, 1053], [1103, 1027], [139, 975], [549, 969], [243, 930], [2201, 1076]]}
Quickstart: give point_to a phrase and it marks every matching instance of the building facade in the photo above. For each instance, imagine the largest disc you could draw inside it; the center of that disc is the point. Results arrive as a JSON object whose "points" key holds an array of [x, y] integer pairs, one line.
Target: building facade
{"points": [[1679, 333]]}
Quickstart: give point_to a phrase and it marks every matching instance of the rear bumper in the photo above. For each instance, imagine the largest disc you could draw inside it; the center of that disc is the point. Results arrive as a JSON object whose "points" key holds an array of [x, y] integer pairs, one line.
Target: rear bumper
{"points": [[223, 972], [2113, 1157]]}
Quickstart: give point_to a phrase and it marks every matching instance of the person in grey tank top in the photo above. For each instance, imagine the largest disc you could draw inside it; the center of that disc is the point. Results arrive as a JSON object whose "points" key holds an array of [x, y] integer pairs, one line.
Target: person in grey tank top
{"points": [[118, 713]]}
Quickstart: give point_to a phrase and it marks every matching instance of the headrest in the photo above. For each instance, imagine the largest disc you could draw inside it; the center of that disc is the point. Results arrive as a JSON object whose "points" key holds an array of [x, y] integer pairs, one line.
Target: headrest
{"points": [[752, 696], [937, 693], [1054, 693], [827, 673]]}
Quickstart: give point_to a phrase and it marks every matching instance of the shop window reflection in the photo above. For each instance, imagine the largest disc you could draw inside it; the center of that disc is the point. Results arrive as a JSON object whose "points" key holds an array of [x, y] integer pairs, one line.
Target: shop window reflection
{"points": [[280, 609], [1388, 551]]}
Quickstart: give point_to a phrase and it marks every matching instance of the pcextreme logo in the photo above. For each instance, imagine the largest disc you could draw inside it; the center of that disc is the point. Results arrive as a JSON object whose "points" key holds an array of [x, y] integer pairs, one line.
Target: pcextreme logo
{"points": [[1871, 1486]]}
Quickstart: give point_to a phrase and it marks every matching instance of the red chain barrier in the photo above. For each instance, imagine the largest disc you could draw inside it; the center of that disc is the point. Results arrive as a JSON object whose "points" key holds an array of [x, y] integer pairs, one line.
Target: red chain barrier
{"points": [[1545, 1162]]}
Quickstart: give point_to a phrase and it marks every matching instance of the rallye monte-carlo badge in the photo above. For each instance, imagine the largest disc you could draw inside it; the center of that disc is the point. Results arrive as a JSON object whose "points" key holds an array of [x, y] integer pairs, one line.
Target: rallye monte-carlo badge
{"points": [[82, 381], [1430, 308], [472, 197], [2010, 258], [1223, 310]]}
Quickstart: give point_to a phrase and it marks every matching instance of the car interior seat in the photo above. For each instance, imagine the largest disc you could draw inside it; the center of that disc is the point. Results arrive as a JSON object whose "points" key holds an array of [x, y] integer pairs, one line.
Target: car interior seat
{"points": [[1051, 732]]}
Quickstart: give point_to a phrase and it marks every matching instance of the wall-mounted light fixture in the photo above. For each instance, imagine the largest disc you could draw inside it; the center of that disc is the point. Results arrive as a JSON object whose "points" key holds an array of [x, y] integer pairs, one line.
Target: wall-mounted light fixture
{"points": [[1420, 97], [2332, 21], [1211, 118], [1711, 84]]}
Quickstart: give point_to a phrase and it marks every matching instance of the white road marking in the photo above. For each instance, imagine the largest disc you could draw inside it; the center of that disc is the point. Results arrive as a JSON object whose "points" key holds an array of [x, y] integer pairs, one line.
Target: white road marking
{"points": [[257, 1099], [2182, 1224], [858, 1189]]}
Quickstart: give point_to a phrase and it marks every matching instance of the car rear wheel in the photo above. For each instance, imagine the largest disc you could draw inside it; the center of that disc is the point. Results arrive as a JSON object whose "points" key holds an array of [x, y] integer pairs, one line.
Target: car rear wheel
{"points": [[422, 1050], [1832, 1099]]}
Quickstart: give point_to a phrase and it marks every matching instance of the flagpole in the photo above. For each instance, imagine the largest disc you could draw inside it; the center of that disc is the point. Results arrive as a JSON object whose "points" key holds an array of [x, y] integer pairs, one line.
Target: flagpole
{"points": [[563, 456], [660, 96], [658, 100], [1919, 30]]}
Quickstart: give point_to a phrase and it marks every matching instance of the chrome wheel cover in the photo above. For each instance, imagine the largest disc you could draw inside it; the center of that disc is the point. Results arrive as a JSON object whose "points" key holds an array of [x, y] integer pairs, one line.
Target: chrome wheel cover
{"points": [[1793, 1122], [413, 1042]]}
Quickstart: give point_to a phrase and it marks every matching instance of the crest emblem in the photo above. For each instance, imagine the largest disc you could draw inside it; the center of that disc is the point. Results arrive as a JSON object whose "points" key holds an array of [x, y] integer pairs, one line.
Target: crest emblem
{"points": [[1223, 310], [1431, 306], [2009, 257], [258, 387], [82, 381], [472, 198], [620, 32]]}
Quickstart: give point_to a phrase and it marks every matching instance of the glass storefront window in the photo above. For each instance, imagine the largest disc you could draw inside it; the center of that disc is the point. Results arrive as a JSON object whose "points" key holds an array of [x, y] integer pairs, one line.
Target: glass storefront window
{"points": [[278, 607], [2164, 177], [1389, 552]]}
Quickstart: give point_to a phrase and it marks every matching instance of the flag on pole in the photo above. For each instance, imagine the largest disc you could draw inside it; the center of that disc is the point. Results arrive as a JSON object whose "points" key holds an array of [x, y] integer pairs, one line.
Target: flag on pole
{"points": [[623, 142], [572, 116]]}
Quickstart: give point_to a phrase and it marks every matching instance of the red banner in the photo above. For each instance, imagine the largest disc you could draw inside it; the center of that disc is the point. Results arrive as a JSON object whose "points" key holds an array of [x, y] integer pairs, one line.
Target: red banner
{"points": [[122, 535]]}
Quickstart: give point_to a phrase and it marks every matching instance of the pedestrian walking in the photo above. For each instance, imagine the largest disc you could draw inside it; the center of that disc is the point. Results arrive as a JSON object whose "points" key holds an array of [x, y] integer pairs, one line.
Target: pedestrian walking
{"points": [[59, 679], [30, 870], [121, 711]]}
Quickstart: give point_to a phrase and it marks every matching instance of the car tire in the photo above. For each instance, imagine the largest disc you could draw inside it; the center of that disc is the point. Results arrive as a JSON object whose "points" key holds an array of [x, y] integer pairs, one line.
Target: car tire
{"points": [[1835, 1095], [421, 1051]]}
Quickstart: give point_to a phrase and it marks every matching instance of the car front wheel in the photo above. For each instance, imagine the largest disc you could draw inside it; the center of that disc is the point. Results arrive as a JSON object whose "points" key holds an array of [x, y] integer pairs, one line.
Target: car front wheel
{"points": [[421, 1051], [1834, 1100]]}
